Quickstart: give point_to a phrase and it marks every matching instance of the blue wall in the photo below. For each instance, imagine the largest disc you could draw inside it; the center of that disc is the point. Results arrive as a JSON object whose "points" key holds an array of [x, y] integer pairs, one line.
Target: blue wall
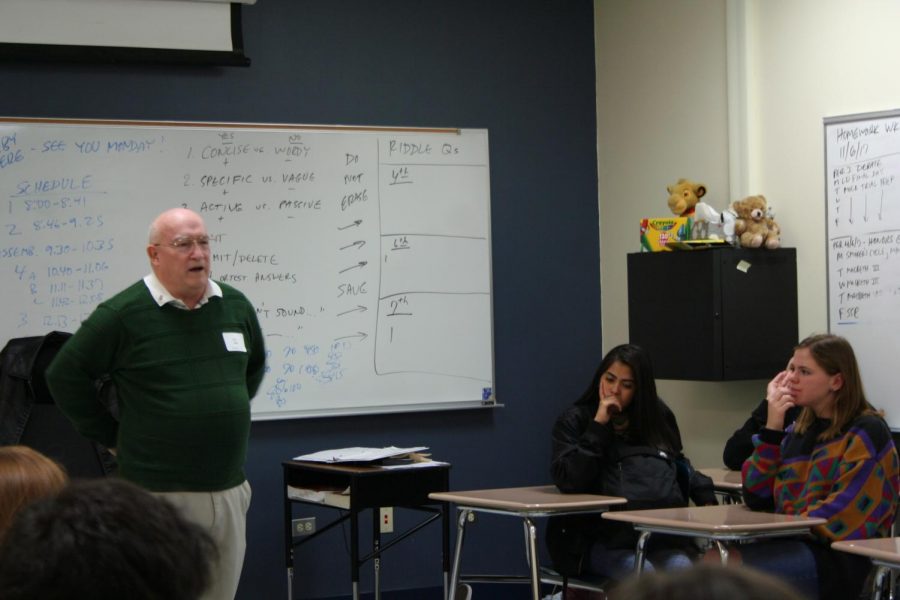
{"points": [[523, 69]]}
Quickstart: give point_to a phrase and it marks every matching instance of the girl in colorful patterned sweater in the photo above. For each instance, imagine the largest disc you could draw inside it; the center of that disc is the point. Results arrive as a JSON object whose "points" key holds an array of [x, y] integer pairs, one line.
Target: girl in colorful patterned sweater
{"points": [[837, 462]]}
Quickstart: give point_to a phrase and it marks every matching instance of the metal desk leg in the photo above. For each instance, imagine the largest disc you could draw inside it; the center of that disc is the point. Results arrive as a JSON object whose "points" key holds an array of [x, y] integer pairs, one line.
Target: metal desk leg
{"points": [[289, 546], [723, 551], [354, 551], [461, 520], [878, 584], [376, 551], [445, 546], [531, 540], [640, 552]]}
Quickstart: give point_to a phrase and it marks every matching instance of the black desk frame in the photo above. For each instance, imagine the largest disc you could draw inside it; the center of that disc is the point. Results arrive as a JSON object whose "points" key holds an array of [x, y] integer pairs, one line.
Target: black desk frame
{"points": [[370, 488]]}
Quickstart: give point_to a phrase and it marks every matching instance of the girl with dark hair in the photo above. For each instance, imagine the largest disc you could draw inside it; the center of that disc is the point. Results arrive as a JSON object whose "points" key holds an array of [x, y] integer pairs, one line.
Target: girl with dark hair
{"points": [[619, 438], [837, 461]]}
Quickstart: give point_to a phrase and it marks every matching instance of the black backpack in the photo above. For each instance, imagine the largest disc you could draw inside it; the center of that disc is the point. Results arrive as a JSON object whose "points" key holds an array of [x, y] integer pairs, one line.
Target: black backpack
{"points": [[646, 476], [649, 478]]}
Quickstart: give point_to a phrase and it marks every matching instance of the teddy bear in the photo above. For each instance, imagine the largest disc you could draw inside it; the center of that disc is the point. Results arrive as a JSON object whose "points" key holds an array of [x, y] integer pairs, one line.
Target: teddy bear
{"points": [[754, 227]]}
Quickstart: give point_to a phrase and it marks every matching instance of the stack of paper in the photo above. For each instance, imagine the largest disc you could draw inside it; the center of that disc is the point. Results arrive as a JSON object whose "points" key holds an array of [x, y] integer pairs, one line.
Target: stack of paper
{"points": [[361, 455]]}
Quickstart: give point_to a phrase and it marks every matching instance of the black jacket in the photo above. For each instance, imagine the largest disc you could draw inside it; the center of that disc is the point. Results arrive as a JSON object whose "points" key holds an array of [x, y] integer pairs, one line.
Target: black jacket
{"points": [[28, 414], [739, 446], [22, 365]]}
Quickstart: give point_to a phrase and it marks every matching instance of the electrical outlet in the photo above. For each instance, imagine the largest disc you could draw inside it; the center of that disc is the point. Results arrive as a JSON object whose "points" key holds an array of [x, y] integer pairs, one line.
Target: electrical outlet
{"points": [[304, 526], [387, 519]]}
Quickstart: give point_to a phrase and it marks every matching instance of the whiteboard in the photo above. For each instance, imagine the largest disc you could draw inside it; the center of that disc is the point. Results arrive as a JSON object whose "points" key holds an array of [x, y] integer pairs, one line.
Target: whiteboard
{"points": [[366, 251], [862, 183]]}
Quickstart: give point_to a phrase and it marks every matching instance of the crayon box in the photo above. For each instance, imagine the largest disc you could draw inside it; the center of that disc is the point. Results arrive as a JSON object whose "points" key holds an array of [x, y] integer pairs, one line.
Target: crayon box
{"points": [[656, 233]]}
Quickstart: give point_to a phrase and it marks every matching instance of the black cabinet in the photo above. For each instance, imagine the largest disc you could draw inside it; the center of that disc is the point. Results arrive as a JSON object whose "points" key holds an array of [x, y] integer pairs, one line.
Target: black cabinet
{"points": [[714, 314]]}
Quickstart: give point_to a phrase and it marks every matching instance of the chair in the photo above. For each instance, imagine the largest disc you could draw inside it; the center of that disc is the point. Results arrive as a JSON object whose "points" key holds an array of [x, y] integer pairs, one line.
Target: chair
{"points": [[588, 582]]}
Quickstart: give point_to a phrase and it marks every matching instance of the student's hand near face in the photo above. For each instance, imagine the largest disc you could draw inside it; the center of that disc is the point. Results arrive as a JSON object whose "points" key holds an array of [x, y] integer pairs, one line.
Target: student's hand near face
{"points": [[609, 406], [778, 395]]}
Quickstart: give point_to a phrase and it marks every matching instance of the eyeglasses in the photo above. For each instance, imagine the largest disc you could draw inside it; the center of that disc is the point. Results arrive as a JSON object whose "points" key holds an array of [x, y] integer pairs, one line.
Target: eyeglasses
{"points": [[185, 245]]}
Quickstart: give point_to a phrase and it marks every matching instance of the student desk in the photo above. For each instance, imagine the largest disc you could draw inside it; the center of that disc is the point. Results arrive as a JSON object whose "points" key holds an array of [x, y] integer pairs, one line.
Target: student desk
{"points": [[884, 553], [727, 522], [370, 487], [524, 503], [728, 484]]}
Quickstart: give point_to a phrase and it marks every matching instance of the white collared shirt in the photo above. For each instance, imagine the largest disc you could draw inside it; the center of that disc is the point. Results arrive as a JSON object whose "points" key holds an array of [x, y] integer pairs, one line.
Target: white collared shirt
{"points": [[163, 297]]}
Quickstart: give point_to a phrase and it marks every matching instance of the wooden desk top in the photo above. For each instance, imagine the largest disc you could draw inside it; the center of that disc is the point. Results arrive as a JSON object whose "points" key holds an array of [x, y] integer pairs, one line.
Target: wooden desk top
{"points": [[882, 549], [544, 498], [723, 519], [724, 479]]}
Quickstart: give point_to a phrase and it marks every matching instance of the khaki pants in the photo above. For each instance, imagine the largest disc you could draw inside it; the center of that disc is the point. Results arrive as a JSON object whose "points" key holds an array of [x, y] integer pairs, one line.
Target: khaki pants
{"points": [[224, 516]]}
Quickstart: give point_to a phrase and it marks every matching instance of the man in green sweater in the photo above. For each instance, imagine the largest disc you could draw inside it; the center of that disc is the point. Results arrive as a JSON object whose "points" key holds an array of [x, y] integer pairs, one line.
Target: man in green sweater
{"points": [[186, 355]]}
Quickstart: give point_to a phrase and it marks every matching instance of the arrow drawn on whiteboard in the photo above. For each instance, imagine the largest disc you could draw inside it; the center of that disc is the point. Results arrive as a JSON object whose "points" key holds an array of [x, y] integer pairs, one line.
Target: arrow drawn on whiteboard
{"points": [[358, 265], [851, 210], [355, 223], [881, 204], [359, 244], [359, 334], [866, 208], [359, 308]]}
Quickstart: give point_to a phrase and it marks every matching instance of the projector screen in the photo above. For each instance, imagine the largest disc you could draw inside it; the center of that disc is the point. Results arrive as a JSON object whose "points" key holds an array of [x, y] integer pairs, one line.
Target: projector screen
{"points": [[188, 31]]}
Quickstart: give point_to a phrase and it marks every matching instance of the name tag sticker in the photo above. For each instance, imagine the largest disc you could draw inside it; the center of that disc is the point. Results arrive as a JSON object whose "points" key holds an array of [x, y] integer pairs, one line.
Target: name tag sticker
{"points": [[234, 342]]}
